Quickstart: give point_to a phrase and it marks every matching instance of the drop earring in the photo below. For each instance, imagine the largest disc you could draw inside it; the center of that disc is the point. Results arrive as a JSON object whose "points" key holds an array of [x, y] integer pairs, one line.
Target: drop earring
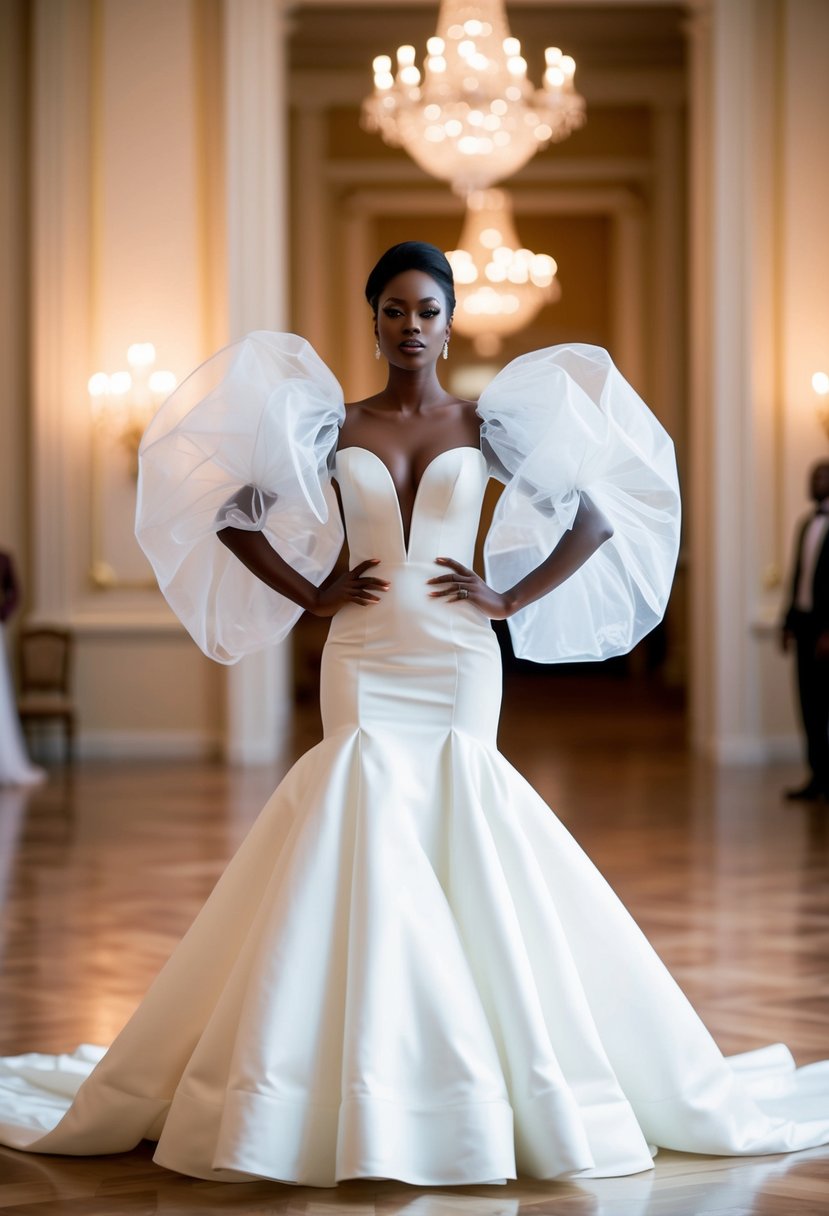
{"points": [[377, 349], [446, 349]]}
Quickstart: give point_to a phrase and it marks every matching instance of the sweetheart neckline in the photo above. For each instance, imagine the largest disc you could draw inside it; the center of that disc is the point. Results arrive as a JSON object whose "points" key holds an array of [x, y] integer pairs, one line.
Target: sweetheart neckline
{"points": [[406, 540]]}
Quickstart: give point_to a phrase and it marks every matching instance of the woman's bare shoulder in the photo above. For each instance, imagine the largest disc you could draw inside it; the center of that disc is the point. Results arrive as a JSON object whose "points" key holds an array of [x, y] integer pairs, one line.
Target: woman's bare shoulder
{"points": [[469, 411], [468, 407], [357, 412]]}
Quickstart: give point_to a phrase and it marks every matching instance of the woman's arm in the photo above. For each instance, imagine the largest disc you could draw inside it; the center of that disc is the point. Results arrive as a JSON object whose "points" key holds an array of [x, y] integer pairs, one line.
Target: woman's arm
{"points": [[254, 552], [589, 532]]}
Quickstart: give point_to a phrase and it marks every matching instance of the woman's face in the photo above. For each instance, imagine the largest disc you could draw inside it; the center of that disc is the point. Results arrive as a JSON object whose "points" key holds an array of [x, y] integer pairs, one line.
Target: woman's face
{"points": [[412, 321]]}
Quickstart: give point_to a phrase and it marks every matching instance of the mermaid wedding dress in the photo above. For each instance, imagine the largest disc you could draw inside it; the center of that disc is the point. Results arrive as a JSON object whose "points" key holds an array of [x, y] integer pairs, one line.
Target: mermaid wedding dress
{"points": [[410, 969]]}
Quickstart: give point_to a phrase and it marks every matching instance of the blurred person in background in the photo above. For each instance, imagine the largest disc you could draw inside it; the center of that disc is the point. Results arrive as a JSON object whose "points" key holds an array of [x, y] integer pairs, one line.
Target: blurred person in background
{"points": [[807, 625], [15, 767]]}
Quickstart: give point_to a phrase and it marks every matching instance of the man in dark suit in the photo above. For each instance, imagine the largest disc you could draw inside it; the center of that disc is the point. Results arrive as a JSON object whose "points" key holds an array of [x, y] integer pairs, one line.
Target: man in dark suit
{"points": [[807, 624], [9, 592]]}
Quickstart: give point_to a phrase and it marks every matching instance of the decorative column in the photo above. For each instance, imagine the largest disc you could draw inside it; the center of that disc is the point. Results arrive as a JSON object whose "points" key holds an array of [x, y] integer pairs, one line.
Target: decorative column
{"points": [[14, 514], [723, 689], [255, 119], [358, 352], [729, 464], [314, 266], [741, 178], [628, 293], [698, 502], [668, 282], [60, 277]]}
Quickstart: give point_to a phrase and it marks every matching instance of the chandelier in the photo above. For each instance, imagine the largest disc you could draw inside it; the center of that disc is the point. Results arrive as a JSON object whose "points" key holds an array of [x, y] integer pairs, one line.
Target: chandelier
{"points": [[499, 286], [472, 118]]}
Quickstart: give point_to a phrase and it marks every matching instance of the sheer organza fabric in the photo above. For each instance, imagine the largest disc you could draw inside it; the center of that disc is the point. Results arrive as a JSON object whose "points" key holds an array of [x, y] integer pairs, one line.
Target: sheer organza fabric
{"points": [[559, 423], [249, 439], [263, 413]]}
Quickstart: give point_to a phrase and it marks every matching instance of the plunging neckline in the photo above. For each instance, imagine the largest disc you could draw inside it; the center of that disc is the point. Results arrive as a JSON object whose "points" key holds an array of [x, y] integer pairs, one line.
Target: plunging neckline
{"points": [[406, 538]]}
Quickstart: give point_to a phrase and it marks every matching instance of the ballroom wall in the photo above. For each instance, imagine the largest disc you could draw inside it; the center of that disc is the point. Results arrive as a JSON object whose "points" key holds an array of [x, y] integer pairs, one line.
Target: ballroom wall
{"points": [[112, 128], [186, 169], [759, 314], [14, 285]]}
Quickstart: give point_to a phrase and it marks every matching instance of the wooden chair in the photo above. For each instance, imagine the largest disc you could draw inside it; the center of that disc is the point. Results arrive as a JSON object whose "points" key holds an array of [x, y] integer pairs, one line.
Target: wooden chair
{"points": [[44, 663]]}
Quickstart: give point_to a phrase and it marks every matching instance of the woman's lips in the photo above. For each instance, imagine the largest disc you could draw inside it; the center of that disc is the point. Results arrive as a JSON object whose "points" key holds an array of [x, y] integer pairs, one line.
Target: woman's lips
{"points": [[412, 346]]}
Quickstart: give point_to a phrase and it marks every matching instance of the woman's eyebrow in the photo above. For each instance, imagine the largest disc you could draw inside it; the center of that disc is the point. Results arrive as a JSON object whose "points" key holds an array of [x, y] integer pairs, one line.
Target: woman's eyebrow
{"points": [[425, 300]]}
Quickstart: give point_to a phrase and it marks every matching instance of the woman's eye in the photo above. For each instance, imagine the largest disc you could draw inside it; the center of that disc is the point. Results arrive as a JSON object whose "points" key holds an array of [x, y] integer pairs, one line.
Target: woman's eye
{"points": [[392, 312], [431, 312]]}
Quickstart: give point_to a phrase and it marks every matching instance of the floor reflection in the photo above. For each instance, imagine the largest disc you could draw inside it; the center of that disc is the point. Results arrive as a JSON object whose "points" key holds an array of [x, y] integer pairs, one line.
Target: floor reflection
{"points": [[13, 803], [681, 1184]]}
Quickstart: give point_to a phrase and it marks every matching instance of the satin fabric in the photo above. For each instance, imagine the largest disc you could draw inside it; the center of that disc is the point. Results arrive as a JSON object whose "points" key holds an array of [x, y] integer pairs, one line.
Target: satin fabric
{"points": [[410, 969]]}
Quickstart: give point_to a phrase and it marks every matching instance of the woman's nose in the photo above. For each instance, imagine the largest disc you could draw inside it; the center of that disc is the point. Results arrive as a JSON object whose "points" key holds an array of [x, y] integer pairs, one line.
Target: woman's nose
{"points": [[412, 328]]}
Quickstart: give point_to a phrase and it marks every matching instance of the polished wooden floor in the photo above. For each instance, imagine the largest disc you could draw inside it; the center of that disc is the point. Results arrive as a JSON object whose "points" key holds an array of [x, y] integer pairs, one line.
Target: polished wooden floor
{"points": [[101, 871]]}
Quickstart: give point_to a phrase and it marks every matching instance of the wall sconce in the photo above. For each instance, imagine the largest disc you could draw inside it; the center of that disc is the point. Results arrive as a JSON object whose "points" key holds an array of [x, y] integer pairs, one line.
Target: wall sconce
{"points": [[820, 383], [124, 402]]}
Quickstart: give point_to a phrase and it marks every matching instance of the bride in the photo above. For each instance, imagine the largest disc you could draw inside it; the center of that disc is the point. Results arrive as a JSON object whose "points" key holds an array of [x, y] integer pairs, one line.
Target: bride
{"points": [[410, 970]]}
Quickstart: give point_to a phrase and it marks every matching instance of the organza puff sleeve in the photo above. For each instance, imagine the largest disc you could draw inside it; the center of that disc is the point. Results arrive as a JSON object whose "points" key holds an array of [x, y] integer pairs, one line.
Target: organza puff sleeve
{"points": [[247, 441], [558, 424]]}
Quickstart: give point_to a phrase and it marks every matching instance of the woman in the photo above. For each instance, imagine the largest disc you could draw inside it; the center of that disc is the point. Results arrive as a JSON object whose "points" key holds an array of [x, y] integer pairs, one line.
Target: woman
{"points": [[410, 970]]}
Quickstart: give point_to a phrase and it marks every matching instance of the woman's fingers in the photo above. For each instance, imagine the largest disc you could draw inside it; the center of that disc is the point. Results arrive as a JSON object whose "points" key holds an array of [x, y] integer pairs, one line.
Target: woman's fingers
{"points": [[370, 561], [456, 566], [461, 584], [449, 585], [362, 585], [368, 580], [453, 590]]}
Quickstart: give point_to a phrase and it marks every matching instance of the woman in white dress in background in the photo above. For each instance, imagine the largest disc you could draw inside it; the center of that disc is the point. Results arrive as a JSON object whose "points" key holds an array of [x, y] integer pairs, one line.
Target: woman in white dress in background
{"points": [[410, 970], [15, 766]]}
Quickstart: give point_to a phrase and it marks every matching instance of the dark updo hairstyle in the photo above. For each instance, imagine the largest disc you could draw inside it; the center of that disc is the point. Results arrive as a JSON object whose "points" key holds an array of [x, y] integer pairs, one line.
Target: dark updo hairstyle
{"points": [[411, 255]]}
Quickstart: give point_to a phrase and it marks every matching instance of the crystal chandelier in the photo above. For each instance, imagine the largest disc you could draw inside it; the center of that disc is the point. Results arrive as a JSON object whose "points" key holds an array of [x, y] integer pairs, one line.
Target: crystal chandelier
{"points": [[473, 117], [499, 285]]}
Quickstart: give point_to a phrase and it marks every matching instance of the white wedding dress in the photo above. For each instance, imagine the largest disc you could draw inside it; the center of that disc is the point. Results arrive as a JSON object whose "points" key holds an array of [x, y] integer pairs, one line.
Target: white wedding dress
{"points": [[410, 969]]}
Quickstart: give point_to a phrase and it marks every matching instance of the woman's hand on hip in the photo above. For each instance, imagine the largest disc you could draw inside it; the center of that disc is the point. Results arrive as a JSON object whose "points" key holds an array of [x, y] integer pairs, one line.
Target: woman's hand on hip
{"points": [[464, 584], [353, 587]]}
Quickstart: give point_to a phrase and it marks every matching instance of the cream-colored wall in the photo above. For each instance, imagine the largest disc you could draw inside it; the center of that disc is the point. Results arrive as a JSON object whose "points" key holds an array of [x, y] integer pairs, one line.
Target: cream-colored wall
{"points": [[803, 184], [123, 243], [14, 286], [803, 259], [144, 695], [760, 258], [150, 278], [148, 273]]}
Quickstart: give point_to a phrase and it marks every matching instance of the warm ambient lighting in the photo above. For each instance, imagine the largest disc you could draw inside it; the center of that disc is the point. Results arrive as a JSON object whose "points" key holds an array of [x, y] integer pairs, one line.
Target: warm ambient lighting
{"points": [[820, 383], [472, 117], [499, 285], [123, 402]]}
